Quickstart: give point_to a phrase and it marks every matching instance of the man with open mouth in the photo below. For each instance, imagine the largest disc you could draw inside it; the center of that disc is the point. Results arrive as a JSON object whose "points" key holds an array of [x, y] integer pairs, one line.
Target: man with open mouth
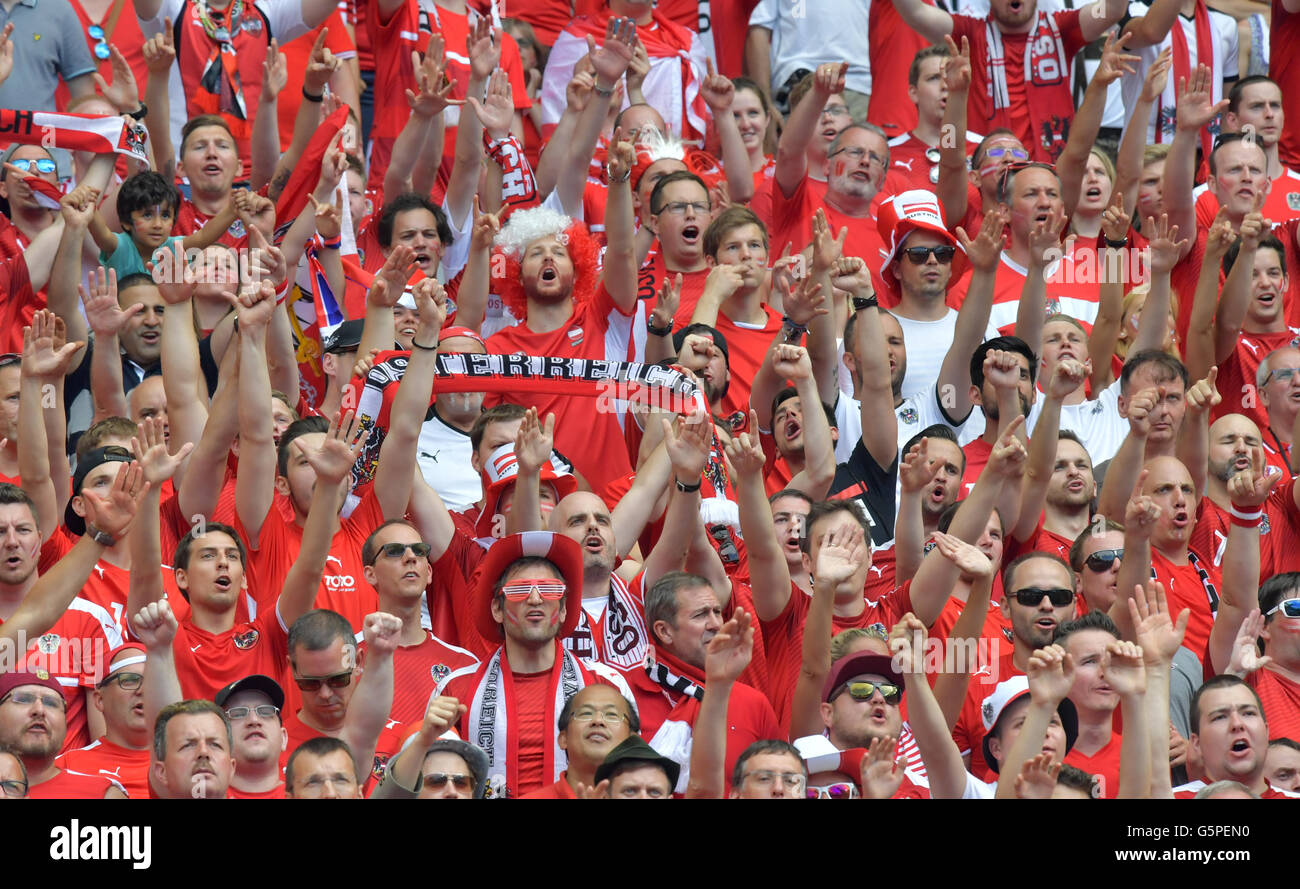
{"points": [[254, 705], [1230, 733]]}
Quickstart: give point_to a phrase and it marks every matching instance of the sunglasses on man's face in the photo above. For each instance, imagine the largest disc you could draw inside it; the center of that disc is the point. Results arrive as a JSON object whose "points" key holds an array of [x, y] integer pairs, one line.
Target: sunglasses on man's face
{"points": [[519, 590], [437, 781], [398, 550], [1101, 561], [1030, 597], [35, 165], [313, 683], [1288, 607], [862, 690], [921, 255]]}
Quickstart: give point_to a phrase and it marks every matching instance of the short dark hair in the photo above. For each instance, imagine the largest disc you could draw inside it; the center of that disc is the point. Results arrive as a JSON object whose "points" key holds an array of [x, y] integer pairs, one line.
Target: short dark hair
{"points": [[724, 224], [1275, 589], [299, 427], [181, 559], [1285, 742], [194, 707], [1225, 139], [139, 279], [790, 492], [1168, 368], [661, 600], [1076, 779], [823, 508], [790, 392], [321, 746], [317, 629], [142, 191], [1076, 548], [401, 203], [205, 120], [928, 52], [11, 494], [1093, 620], [1223, 680], [938, 430], [1268, 242], [1009, 570], [1234, 94], [370, 550], [566, 713], [657, 195], [759, 748], [506, 412], [1004, 344]]}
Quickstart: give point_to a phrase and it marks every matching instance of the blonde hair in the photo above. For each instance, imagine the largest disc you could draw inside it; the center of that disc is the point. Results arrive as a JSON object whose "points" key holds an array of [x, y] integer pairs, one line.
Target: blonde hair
{"points": [[1128, 306]]}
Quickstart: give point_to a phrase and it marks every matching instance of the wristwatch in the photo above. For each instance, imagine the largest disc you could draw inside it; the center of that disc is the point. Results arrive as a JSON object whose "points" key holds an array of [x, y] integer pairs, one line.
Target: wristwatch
{"points": [[865, 302], [139, 113], [103, 538], [792, 332], [658, 331]]}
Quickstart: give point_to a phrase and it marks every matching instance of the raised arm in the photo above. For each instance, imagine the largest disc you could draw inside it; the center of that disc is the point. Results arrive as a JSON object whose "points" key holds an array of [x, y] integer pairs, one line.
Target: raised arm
{"points": [[106, 320], [1067, 376], [943, 766], [619, 275], [183, 384], [1140, 515], [150, 449], [801, 126], [44, 363], [77, 208], [770, 576], [1152, 28], [984, 253], [1193, 447], [1200, 350], [876, 405], [1126, 465], [1124, 671], [687, 442], [159, 56], [1195, 110], [953, 187], [1044, 249], [155, 626], [1234, 301], [264, 144], [719, 92], [427, 101], [255, 480], [369, 708], [951, 685], [1128, 162], [810, 306], [728, 654], [483, 47], [1051, 674], [930, 22], [196, 495], [915, 471], [1249, 491], [403, 776], [1087, 119], [792, 363], [1097, 17], [1110, 308]]}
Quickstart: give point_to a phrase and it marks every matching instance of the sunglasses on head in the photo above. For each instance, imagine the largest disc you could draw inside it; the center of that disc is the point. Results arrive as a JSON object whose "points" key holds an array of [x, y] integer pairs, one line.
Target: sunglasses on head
{"points": [[1011, 170], [35, 164], [921, 255], [548, 588], [1102, 560], [1031, 596], [313, 683], [1288, 607], [398, 550], [861, 690]]}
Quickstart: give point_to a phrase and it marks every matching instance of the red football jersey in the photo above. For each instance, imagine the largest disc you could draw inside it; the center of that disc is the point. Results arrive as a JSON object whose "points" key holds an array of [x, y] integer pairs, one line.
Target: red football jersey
{"points": [[127, 767]]}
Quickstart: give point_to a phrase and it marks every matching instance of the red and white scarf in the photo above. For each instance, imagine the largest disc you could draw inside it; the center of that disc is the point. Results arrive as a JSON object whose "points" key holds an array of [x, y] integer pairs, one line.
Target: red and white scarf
{"points": [[493, 707], [220, 90], [1047, 82], [1182, 61], [683, 685], [100, 134], [619, 637]]}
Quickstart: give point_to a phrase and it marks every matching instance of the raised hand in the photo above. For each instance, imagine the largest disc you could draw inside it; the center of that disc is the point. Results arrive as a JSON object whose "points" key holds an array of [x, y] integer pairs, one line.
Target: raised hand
{"points": [[792, 363], [1114, 221], [1140, 408], [114, 512], [1037, 778], [723, 281], [829, 79], [43, 357], [486, 227], [842, 553], [1045, 239], [907, 645], [155, 625], [1246, 658], [956, 66], [730, 650], [638, 68], [159, 53], [483, 48], [1166, 249], [431, 309], [1114, 62], [77, 207], [334, 459], [1195, 108], [611, 60], [1051, 674], [1002, 369], [534, 442], [329, 217], [6, 52], [688, 445], [267, 262], [441, 715], [600, 791], [1158, 635], [804, 301], [744, 452], [166, 275], [321, 65], [275, 72], [256, 306], [394, 273], [1158, 76], [255, 210], [916, 469], [1009, 456], [970, 561], [1067, 376], [695, 353], [579, 90], [826, 245], [851, 275], [1203, 395], [670, 297], [433, 88], [383, 632], [1254, 227], [882, 775], [1141, 512], [123, 92], [497, 110], [1123, 668], [1250, 489], [985, 249], [621, 158], [149, 446], [718, 91], [105, 317], [1219, 239]]}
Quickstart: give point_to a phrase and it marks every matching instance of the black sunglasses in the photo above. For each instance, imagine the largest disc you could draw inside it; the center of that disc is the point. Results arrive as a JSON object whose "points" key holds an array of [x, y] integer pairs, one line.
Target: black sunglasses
{"points": [[1031, 596], [921, 255], [1102, 560], [398, 551]]}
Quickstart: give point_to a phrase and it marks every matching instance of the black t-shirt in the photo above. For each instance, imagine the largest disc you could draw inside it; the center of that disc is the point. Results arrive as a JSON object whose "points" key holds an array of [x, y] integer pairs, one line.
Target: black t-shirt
{"points": [[861, 480]]}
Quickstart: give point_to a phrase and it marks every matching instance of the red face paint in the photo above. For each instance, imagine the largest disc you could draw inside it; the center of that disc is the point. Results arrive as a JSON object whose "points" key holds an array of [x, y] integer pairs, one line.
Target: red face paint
{"points": [[839, 168]]}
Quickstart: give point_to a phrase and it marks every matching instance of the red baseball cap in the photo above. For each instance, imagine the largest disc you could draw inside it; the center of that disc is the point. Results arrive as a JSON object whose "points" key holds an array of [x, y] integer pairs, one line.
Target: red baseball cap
{"points": [[10, 681], [560, 551], [907, 212]]}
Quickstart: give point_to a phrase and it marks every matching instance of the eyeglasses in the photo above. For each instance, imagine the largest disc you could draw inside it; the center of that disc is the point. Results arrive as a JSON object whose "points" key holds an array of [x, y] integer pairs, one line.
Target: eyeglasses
{"points": [[766, 778], [101, 48], [857, 154], [36, 164], [264, 711], [921, 255], [861, 690], [678, 208], [14, 789], [520, 590], [316, 781], [587, 714], [10, 358], [1017, 153], [1288, 607], [835, 111], [438, 780], [1283, 374], [128, 681], [398, 551], [27, 698], [313, 683], [1031, 596], [842, 790], [1101, 561]]}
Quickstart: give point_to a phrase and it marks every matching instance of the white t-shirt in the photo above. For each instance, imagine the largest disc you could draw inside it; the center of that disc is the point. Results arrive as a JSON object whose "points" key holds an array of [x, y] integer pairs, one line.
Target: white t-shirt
{"points": [[828, 30], [927, 345], [1097, 423], [914, 414], [444, 452]]}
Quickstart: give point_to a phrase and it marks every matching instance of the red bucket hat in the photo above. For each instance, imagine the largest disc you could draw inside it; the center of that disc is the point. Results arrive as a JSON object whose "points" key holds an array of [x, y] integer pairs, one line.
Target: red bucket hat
{"points": [[560, 551]]}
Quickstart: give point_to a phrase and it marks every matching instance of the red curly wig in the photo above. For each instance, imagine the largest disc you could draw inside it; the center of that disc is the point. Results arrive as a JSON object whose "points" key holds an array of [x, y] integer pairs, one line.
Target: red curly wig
{"points": [[582, 250]]}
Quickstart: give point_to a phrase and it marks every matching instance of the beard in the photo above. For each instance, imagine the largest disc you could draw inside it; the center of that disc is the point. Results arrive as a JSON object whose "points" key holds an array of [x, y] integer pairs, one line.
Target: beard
{"points": [[1225, 470], [845, 184], [991, 407]]}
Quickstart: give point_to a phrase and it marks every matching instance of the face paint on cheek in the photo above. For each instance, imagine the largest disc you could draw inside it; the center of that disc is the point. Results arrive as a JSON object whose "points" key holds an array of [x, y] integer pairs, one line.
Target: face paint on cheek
{"points": [[839, 168], [555, 618]]}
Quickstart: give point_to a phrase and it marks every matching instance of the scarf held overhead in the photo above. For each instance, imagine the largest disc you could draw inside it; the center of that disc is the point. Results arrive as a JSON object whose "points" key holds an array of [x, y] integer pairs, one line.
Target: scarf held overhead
{"points": [[101, 134], [1046, 79]]}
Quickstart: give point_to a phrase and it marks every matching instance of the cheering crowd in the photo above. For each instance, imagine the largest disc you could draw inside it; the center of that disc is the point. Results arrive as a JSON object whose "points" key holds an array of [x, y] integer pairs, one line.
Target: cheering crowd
{"points": [[747, 398]]}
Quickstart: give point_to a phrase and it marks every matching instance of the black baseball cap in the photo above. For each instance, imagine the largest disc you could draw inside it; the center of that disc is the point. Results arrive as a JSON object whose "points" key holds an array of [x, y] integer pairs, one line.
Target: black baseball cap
{"points": [[344, 338], [98, 457], [257, 682]]}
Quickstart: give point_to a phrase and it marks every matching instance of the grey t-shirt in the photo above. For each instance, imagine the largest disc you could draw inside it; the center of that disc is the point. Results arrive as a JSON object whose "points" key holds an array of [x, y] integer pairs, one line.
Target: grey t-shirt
{"points": [[49, 43]]}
